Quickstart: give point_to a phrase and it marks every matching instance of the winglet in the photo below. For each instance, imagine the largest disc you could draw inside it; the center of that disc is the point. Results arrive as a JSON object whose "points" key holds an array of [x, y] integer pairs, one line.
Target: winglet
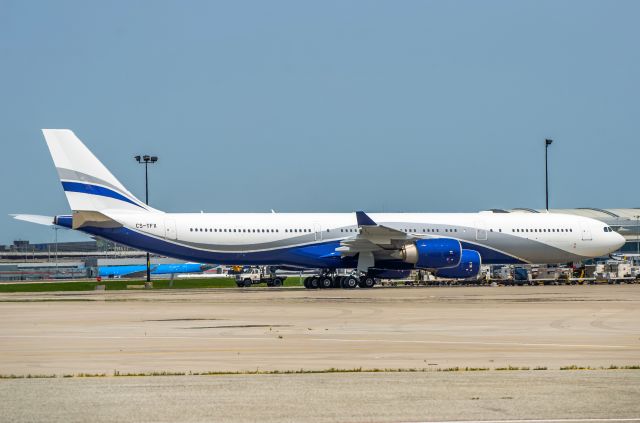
{"points": [[364, 220]]}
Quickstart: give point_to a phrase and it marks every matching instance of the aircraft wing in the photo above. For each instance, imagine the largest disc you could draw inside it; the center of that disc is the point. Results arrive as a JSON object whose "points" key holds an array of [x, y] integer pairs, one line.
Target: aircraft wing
{"points": [[371, 238]]}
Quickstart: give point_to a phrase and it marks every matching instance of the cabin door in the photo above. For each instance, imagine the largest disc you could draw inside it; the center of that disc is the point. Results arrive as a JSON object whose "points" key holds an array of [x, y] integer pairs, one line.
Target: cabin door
{"points": [[586, 233], [481, 232], [317, 231]]}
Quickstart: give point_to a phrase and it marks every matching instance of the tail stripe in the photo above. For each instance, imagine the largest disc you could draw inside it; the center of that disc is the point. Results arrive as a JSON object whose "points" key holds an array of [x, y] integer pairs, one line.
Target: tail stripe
{"points": [[88, 184], [85, 188], [75, 176]]}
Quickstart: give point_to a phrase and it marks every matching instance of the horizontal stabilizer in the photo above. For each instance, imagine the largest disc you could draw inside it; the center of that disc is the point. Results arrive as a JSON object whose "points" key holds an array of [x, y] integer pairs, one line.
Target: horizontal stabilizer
{"points": [[34, 218]]}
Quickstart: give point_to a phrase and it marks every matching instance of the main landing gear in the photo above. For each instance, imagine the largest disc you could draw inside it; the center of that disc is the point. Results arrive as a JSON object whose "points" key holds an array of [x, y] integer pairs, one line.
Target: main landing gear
{"points": [[331, 280]]}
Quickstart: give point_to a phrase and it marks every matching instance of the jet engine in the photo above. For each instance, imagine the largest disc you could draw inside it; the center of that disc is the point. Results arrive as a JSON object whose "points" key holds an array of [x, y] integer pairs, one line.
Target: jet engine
{"points": [[468, 267], [432, 253]]}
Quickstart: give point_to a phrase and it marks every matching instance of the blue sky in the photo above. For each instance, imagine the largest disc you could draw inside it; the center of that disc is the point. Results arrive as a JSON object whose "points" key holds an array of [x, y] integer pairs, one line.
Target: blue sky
{"points": [[324, 106]]}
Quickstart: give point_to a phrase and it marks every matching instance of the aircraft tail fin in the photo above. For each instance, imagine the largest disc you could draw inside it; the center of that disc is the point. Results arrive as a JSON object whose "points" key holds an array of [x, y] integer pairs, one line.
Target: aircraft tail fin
{"points": [[88, 184]]}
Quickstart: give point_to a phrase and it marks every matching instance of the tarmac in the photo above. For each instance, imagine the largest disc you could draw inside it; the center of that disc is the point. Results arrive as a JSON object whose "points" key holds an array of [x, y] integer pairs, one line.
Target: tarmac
{"points": [[290, 329], [543, 396]]}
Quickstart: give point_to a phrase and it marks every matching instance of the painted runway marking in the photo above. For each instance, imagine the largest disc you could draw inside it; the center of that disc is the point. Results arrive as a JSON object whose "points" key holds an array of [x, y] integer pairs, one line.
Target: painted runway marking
{"points": [[525, 344], [397, 341], [534, 420]]}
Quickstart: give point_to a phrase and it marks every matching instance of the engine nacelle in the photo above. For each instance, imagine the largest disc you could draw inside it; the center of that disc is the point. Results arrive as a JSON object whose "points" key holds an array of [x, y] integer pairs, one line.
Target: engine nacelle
{"points": [[432, 253], [469, 266]]}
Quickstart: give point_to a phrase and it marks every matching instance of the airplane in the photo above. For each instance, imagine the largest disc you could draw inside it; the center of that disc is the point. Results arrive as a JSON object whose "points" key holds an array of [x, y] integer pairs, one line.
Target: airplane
{"points": [[451, 245], [136, 270]]}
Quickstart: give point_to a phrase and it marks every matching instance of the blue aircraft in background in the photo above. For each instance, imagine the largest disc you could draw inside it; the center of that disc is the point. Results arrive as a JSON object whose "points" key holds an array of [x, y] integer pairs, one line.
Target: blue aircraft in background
{"points": [[132, 271]]}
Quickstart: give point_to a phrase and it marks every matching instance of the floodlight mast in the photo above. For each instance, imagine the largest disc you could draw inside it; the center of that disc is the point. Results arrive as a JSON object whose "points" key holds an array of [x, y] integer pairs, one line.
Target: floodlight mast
{"points": [[146, 159]]}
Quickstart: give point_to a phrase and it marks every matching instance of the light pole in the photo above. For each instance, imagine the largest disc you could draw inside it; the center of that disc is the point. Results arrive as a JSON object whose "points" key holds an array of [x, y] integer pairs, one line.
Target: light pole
{"points": [[55, 229], [547, 143], [637, 236], [146, 159]]}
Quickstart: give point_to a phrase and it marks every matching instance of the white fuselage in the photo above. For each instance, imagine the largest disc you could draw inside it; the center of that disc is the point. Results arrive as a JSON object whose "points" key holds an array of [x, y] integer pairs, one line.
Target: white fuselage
{"points": [[500, 237]]}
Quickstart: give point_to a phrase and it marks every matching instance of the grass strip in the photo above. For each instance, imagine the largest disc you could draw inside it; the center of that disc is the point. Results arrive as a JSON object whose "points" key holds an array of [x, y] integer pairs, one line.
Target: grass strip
{"points": [[117, 373], [119, 284]]}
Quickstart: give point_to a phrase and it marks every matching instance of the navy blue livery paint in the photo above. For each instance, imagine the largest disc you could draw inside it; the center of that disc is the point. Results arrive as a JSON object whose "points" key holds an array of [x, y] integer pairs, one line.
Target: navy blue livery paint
{"points": [[491, 256], [364, 220], [311, 256], [469, 266], [438, 252], [86, 188]]}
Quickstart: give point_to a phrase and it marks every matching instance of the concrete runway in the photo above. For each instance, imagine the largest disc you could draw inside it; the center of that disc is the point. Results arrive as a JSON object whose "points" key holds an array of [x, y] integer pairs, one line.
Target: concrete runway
{"points": [[267, 329], [546, 396], [291, 329]]}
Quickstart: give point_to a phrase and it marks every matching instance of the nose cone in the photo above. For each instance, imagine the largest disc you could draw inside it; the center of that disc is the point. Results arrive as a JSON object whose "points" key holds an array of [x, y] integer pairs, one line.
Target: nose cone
{"points": [[617, 242]]}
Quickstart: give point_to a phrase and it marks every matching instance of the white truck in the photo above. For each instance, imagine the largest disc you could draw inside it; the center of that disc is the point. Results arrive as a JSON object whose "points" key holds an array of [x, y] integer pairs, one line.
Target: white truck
{"points": [[256, 275]]}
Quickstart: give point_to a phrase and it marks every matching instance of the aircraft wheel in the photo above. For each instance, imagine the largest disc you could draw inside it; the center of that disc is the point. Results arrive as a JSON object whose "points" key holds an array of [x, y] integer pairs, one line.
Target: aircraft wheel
{"points": [[366, 282], [335, 282], [305, 282], [324, 282], [350, 282], [313, 283]]}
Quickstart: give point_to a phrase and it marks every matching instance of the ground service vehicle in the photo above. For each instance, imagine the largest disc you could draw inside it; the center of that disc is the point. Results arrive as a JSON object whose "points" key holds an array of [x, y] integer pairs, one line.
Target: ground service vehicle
{"points": [[256, 275]]}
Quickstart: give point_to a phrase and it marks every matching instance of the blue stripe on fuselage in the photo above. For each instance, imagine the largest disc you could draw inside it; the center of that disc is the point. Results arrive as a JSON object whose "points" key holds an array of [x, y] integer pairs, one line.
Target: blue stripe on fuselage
{"points": [[491, 256], [85, 188], [315, 255]]}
